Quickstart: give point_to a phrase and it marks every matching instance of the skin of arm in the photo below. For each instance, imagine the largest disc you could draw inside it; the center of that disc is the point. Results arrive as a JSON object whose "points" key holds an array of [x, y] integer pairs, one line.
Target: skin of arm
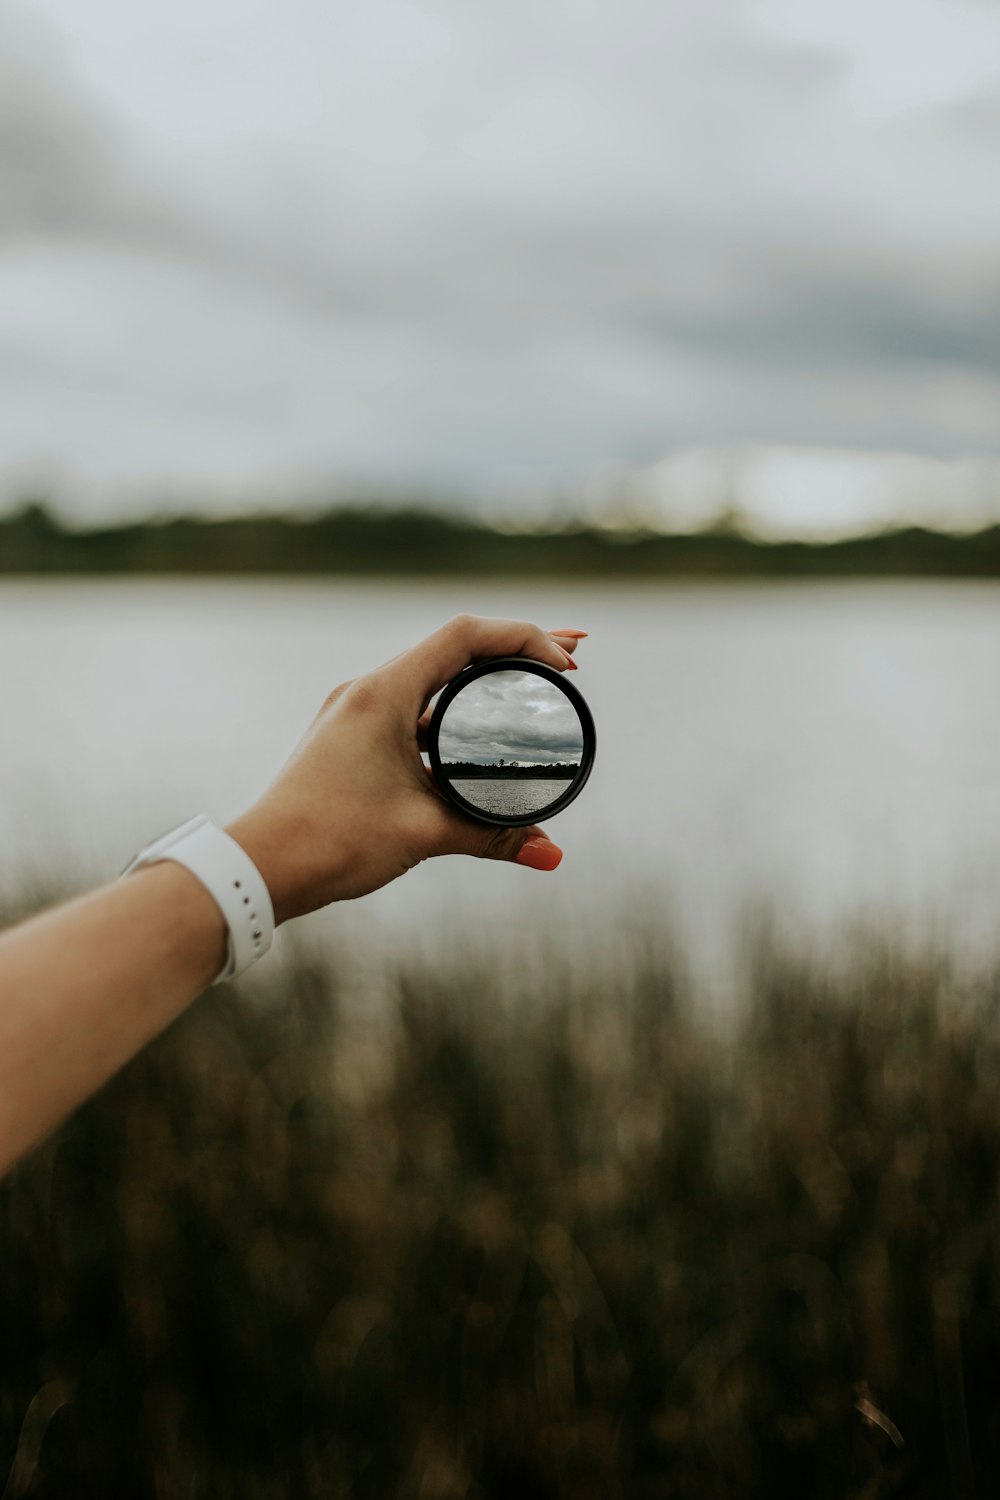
{"points": [[85, 986]]}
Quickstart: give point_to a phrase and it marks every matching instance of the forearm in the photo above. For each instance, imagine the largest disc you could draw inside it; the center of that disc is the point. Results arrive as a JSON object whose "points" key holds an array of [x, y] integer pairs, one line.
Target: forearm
{"points": [[85, 986]]}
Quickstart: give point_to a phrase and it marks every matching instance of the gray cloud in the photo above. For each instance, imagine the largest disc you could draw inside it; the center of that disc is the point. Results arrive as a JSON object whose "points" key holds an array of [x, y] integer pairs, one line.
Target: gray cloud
{"points": [[437, 247], [818, 319], [65, 171], [53, 157], [513, 716]]}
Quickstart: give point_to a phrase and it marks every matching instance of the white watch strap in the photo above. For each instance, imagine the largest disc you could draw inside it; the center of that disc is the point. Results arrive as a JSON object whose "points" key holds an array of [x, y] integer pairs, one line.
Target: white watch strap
{"points": [[230, 876]]}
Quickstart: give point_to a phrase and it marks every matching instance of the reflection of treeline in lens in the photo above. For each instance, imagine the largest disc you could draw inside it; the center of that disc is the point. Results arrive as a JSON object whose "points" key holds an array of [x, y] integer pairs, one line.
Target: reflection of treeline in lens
{"points": [[466, 770]]}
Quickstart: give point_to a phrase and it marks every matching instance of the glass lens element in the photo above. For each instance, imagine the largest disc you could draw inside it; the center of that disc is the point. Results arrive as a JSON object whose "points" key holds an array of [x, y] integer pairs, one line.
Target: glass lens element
{"points": [[511, 743]]}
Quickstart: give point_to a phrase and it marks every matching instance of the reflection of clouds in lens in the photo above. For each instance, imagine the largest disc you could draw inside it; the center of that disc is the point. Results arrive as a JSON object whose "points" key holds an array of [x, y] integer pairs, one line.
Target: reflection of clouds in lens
{"points": [[511, 716]]}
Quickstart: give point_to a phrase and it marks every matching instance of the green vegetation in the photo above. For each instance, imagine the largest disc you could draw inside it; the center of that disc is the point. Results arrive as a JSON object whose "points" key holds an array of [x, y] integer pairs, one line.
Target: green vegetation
{"points": [[469, 770], [561, 1240], [418, 542]]}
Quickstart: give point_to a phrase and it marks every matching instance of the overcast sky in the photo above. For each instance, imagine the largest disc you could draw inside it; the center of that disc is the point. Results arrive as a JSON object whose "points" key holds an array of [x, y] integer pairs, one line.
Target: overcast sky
{"points": [[511, 716], [691, 250]]}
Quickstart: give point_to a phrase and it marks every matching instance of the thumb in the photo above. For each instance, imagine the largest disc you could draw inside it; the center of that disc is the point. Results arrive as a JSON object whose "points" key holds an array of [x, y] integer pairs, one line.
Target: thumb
{"points": [[523, 846], [537, 850]]}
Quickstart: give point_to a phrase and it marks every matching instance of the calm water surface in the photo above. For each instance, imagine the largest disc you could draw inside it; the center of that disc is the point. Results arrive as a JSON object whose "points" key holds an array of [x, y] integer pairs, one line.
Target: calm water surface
{"points": [[510, 799], [831, 749]]}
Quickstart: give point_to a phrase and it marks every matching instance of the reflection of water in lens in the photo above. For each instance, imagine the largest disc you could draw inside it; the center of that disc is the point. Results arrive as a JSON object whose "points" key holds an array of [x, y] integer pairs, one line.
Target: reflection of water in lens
{"points": [[510, 798]]}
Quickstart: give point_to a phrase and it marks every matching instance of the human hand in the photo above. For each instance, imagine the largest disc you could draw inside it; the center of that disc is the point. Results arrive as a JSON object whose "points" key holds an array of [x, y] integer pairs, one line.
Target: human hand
{"points": [[355, 806]]}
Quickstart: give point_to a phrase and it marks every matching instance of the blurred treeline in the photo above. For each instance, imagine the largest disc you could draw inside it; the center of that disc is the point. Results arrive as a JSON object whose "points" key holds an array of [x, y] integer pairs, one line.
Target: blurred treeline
{"points": [[416, 541], [522, 1232]]}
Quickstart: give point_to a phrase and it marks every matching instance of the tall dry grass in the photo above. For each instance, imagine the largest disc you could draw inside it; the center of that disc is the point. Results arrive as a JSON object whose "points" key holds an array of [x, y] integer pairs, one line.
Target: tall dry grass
{"points": [[546, 1235]]}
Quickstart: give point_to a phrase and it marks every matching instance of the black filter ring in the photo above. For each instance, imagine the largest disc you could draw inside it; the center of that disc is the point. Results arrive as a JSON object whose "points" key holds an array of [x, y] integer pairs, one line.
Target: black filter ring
{"points": [[512, 664]]}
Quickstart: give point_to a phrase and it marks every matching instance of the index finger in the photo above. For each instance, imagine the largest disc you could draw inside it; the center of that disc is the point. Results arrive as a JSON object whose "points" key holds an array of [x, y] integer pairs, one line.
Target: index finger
{"points": [[427, 666]]}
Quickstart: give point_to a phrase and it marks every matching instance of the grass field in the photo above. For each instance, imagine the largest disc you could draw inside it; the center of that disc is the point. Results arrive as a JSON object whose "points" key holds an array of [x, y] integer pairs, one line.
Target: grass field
{"points": [[536, 1235]]}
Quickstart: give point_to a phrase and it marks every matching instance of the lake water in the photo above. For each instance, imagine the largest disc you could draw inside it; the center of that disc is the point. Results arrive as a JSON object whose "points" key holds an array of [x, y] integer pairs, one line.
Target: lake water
{"points": [[508, 798], [831, 749]]}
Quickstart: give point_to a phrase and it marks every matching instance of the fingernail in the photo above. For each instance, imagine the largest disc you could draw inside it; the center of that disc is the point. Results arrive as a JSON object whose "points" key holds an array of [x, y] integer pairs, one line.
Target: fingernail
{"points": [[578, 635], [569, 660], [539, 854]]}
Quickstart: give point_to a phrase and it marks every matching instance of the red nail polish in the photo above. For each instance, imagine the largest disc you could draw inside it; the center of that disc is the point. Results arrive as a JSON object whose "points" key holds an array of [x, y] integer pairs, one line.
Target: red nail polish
{"points": [[539, 854]]}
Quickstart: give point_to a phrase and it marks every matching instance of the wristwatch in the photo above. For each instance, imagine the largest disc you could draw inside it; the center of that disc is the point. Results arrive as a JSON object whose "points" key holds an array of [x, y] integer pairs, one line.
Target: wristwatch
{"points": [[230, 876]]}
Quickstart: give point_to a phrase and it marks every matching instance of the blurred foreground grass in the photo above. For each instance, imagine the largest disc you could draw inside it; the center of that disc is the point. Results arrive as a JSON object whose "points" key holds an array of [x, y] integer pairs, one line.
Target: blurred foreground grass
{"points": [[536, 1235]]}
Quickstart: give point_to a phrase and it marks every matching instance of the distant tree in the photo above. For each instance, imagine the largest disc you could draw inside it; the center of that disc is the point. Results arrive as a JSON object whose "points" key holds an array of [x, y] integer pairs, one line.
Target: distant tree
{"points": [[35, 518]]}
